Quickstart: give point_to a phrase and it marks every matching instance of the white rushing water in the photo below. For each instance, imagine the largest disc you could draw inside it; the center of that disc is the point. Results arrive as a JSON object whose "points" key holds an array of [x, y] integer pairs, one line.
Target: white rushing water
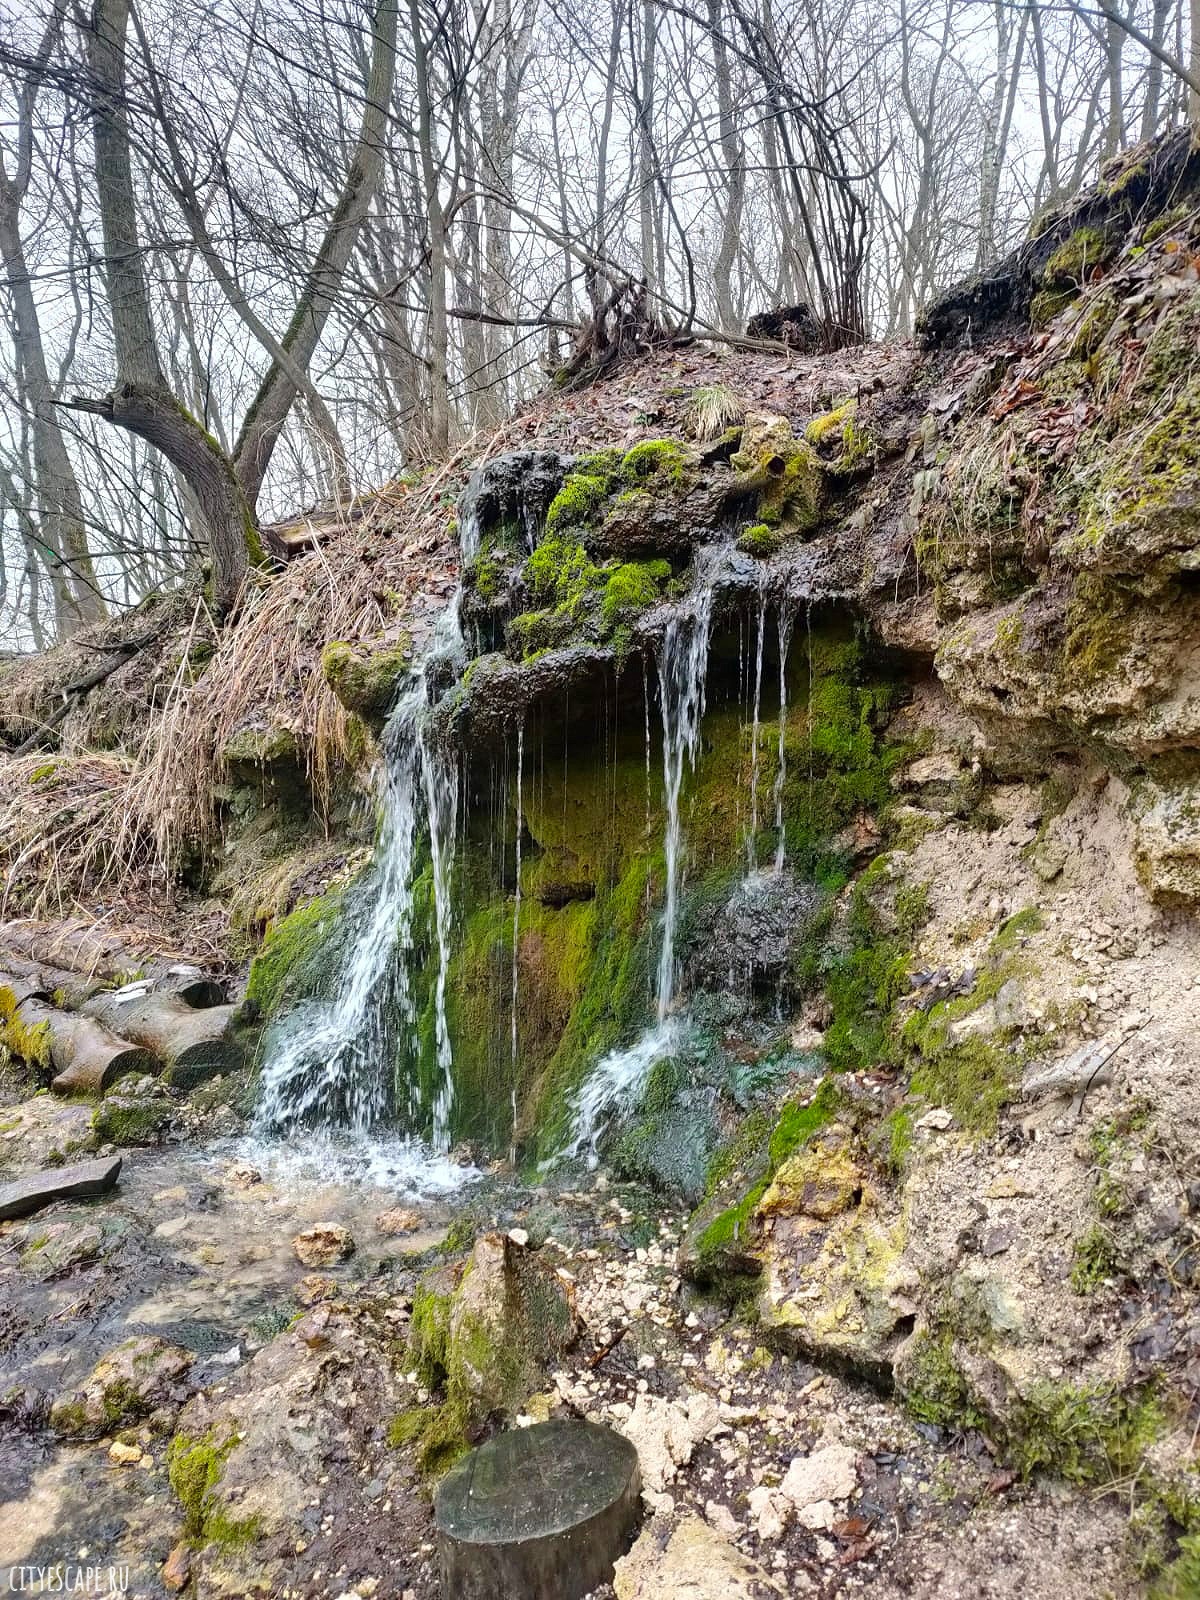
{"points": [[330, 1063], [785, 643], [617, 1080], [516, 941]]}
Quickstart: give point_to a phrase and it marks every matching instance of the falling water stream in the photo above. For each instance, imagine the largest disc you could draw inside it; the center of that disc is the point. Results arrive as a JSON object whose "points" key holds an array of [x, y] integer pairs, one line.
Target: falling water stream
{"points": [[617, 1079], [329, 1063]]}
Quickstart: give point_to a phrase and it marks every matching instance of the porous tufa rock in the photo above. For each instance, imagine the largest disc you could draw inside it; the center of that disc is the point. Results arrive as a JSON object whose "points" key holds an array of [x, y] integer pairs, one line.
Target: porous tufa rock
{"points": [[817, 1182], [828, 1474], [323, 1245], [691, 1560], [365, 679], [1167, 842], [132, 1381], [666, 1433], [402, 1219]]}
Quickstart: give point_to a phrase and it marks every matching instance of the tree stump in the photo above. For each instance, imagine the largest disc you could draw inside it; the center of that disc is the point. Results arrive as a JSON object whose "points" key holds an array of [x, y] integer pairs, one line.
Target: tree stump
{"points": [[538, 1513]]}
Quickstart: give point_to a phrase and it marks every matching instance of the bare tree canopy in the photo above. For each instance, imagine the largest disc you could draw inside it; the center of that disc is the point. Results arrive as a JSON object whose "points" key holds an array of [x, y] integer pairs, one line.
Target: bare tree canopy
{"points": [[266, 256]]}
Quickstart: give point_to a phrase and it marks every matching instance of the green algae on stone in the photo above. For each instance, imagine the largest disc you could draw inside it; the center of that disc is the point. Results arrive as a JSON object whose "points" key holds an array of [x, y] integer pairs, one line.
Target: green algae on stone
{"points": [[295, 955], [481, 1337], [364, 679], [194, 1470], [131, 1120]]}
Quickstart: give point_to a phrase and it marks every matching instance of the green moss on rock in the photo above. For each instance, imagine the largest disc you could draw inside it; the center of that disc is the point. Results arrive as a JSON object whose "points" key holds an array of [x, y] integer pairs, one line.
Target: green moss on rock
{"points": [[194, 1470], [365, 680], [294, 955]]}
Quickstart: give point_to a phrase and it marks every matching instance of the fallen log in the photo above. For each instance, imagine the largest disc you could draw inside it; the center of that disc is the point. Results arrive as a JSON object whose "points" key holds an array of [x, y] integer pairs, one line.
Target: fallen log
{"points": [[192, 1044], [70, 990], [84, 1056], [83, 948]]}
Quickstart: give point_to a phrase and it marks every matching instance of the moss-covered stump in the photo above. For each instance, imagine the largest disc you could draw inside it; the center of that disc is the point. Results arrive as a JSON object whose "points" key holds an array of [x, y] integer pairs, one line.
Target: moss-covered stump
{"points": [[539, 1513], [482, 1335], [140, 1378]]}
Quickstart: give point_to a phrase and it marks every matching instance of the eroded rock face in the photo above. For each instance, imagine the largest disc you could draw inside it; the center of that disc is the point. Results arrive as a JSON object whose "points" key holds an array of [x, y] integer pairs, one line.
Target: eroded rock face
{"points": [[745, 942], [835, 1284]]}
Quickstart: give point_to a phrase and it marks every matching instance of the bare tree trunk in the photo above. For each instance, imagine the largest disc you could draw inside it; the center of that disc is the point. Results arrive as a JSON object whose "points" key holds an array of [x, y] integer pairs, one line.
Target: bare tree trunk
{"points": [[1154, 69], [61, 527], [141, 399], [735, 178], [646, 183], [1114, 126], [435, 218]]}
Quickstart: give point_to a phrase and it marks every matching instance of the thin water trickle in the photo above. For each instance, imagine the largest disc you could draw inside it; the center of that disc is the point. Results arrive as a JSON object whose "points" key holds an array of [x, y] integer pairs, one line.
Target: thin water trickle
{"points": [[785, 641], [516, 951], [682, 677], [618, 1079], [752, 833]]}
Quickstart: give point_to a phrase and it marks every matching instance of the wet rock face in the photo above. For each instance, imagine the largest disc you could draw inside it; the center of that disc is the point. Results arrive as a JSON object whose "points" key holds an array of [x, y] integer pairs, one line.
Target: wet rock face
{"points": [[744, 943], [512, 490]]}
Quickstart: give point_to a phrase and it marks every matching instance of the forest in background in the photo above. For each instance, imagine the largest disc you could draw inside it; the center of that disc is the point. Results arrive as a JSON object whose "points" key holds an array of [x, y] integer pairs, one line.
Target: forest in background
{"points": [[261, 258]]}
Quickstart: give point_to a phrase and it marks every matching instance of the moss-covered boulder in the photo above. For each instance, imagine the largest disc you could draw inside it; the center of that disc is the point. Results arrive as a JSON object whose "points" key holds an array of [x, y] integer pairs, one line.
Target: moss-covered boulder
{"points": [[482, 1335], [131, 1119], [365, 679], [139, 1378]]}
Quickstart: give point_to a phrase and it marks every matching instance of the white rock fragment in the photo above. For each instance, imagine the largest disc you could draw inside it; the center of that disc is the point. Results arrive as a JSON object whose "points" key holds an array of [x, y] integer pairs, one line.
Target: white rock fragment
{"points": [[769, 1512], [720, 1517], [827, 1474], [666, 1433]]}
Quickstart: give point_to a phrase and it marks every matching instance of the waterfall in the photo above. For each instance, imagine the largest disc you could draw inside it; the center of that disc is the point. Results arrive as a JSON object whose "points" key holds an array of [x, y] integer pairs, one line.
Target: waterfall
{"points": [[516, 951], [785, 641], [682, 672], [752, 834], [618, 1079], [329, 1063]]}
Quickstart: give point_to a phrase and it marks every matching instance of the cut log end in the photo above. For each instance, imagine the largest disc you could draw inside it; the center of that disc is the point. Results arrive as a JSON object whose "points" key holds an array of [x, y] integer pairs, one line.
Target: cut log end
{"points": [[538, 1513]]}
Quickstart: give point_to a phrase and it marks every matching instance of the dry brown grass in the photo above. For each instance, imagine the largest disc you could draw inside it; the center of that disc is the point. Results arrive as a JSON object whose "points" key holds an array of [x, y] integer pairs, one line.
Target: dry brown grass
{"points": [[125, 823], [66, 830]]}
